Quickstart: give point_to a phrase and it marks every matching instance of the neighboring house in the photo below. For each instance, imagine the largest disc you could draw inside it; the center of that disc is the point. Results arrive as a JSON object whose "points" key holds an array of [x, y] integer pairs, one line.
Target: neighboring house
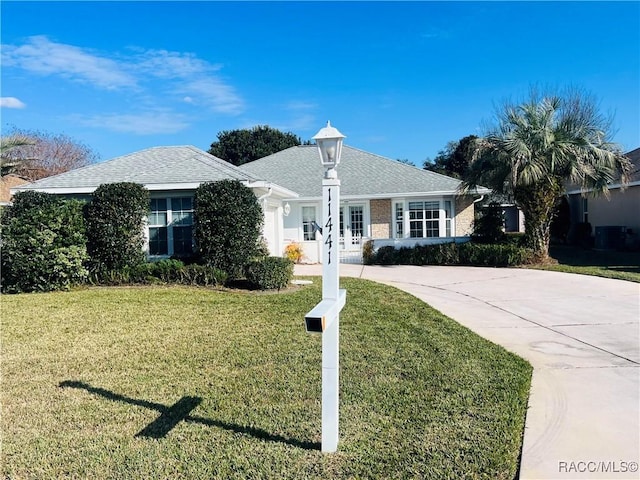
{"points": [[615, 221], [382, 199], [7, 182]]}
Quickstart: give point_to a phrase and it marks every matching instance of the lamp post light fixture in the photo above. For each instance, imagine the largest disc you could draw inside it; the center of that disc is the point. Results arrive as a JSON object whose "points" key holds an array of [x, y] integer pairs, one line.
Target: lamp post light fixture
{"points": [[324, 318], [329, 141]]}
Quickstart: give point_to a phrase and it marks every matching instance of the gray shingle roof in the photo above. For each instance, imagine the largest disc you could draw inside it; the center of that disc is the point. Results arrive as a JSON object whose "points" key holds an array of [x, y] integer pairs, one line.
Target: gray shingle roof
{"points": [[157, 165], [361, 174]]}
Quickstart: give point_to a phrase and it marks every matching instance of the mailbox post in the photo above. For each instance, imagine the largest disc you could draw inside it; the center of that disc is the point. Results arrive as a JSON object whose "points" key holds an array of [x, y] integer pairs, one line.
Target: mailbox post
{"points": [[324, 318]]}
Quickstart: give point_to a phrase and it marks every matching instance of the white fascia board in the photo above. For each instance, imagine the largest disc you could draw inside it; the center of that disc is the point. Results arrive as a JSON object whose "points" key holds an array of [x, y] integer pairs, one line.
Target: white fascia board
{"points": [[377, 196], [278, 191], [54, 190], [153, 187], [613, 186]]}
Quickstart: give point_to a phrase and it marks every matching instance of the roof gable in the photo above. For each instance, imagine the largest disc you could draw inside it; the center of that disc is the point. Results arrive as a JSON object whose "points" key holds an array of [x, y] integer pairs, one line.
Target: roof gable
{"points": [[153, 166], [361, 174]]}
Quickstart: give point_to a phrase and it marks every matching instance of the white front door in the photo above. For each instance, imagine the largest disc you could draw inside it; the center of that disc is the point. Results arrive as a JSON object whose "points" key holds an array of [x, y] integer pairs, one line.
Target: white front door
{"points": [[351, 227]]}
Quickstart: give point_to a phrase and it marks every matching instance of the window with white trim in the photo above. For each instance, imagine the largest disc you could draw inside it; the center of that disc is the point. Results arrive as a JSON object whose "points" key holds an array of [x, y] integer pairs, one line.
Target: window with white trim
{"points": [[424, 219], [448, 215], [308, 218], [399, 220], [170, 223]]}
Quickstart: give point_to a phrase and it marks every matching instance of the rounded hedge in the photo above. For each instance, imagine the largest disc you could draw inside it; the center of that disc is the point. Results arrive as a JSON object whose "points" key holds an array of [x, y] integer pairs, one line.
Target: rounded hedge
{"points": [[115, 219], [43, 243], [228, 224]]}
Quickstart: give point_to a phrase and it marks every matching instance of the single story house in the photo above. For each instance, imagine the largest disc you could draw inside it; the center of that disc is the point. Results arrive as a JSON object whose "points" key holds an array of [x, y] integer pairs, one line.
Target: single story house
{"points": [[171, 174], [615, 221], [382, 199]]}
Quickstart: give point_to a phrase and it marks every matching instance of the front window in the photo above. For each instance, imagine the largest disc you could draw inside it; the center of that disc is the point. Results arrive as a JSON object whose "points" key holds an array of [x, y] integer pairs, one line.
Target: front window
{"points": [[448, 214], [399, 220], [158, 240], [171, 226], [182, 223], [424, 219], [308, 219]]}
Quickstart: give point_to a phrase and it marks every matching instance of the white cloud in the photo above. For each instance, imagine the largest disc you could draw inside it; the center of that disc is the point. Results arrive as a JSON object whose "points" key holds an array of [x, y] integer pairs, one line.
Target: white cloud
{"points": [[11, 102], [42, 56], [159, 74], [147, 123], [214, 94], [166, 64]]}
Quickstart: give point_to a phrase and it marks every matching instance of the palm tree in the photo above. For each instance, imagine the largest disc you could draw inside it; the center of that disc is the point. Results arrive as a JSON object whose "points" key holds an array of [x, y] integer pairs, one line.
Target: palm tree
{"points": [[539, 146], [9, 164]]}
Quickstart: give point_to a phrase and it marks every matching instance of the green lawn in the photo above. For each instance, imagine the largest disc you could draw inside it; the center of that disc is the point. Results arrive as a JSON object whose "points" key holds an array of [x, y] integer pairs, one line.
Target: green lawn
{"points": [[177, 382], [607, 263]]}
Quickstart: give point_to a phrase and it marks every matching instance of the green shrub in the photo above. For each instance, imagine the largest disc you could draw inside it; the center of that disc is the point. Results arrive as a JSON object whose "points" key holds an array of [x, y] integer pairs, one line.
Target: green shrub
{"points": [[270, 273], [43, 243], [115, 219], [167, 270], [228, 221], [164, 271], [492, 255], [202, 275], [386, 256], [489, 224], [368, 254], [470, 253], [440, 254]]}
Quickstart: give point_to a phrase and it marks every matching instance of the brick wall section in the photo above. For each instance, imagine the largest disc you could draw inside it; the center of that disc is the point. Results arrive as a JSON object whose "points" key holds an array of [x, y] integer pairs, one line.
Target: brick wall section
{"points": [[464, 217], [381, 218]]}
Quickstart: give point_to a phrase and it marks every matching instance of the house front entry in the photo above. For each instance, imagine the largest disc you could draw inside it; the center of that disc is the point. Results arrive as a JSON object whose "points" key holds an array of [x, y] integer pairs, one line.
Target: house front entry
{"points": [[351, 232]]}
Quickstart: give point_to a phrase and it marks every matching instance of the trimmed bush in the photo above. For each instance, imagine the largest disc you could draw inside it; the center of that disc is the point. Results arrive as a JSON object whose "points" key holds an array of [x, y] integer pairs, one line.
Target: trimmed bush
{"points": [[270, 273], [164, 271], [228, 222], [476, 254], [115, 219], [491, 255], [202, 275], [440, 254], [368, 254], [43, 243]]}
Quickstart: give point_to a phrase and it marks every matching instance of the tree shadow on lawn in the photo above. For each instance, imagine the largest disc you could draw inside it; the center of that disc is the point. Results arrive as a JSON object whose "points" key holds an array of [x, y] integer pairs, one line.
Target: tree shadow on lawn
{"points": [[180, 411]]}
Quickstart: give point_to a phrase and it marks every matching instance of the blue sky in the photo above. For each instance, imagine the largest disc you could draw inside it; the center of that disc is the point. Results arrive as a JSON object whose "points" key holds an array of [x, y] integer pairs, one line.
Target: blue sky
{"points": [[398, 79]]}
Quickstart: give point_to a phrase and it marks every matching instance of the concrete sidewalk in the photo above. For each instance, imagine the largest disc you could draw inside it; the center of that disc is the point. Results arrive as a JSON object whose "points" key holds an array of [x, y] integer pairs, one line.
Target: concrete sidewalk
{"points": [[580, 333]]}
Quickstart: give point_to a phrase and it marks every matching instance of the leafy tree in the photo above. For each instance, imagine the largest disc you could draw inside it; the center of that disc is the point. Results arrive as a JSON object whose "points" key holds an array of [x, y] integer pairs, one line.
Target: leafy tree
{"points": [[43, 243], [115, 218], [454, 159], [245, 145], [34, 154], [228, 223], [441, 162], [538, 146]]}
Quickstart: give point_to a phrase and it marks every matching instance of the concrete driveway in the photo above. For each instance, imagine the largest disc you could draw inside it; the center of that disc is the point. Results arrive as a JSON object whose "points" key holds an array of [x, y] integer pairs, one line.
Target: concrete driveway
{"points": [[582, 336]]}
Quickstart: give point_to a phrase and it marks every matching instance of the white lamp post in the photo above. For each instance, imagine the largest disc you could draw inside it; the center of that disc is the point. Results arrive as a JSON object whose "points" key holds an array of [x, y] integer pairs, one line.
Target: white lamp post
{"points": [[325, 317]]}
